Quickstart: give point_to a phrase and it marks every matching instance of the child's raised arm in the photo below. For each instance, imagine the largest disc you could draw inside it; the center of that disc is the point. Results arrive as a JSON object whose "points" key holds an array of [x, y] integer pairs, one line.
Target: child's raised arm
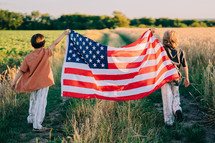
{"points": [[53, 45]]}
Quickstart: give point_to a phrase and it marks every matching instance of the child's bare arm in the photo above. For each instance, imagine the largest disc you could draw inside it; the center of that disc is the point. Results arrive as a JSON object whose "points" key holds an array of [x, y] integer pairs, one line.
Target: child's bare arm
{"points": [[186, 80], [66, 32], [19, 74]]}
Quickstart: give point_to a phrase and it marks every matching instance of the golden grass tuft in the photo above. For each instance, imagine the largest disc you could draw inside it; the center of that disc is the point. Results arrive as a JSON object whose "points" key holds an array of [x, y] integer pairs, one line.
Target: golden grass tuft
{"points": [[8, 97]]}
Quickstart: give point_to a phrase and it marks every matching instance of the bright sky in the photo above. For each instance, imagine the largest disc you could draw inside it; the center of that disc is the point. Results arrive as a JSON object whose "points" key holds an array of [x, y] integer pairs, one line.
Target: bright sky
{"points": [[185, 9]]}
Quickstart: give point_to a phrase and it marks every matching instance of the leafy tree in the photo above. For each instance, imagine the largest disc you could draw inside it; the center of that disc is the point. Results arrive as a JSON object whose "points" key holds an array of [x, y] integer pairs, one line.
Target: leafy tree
{"points": [[147, 21], [46, 21], [75, 21], [38, 21], [165, 22], [198, 24], [120, 20], [35, 16], [10, 20], [134, 22], [107, 21], [78, 21], [189, 22], [210, 23], [177, 23]]}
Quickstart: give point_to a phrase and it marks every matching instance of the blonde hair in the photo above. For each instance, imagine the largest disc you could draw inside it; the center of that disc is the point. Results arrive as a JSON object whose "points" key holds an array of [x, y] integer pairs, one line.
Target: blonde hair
{"points": [[170, 38]]}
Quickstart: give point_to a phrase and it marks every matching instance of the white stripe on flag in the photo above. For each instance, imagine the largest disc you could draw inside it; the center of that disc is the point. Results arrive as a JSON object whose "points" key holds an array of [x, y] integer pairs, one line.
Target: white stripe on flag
{"points": [[117, 71], [118, 82], [134, 48], [133, 59], [117, 93]]}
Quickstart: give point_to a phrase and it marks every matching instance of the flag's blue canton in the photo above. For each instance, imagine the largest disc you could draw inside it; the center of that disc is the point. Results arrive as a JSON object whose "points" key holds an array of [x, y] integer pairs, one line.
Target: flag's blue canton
{"points": [[84, 50]]}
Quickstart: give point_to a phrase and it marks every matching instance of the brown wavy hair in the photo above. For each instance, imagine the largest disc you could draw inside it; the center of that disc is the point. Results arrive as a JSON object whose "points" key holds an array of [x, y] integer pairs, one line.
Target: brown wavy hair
{"points": [[170, 38]]}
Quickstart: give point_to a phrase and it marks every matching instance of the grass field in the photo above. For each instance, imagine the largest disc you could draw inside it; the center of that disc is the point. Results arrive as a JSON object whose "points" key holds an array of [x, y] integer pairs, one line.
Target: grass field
{"points": [[79, 120]]}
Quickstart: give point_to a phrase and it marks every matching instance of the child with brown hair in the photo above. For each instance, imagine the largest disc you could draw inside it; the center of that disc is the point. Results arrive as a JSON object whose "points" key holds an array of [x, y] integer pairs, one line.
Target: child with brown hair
{"points": [[170, 91], [35, 76]]}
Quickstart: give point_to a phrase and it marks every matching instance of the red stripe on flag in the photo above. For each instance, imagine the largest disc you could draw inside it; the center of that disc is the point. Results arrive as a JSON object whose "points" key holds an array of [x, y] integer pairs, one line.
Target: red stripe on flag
{"points": [[132, 85], [135, 53], [134, 65], [140, 40], [78, 95], [119, 53], [124, 98], [143, 70], [120, 76], [78, 72]]}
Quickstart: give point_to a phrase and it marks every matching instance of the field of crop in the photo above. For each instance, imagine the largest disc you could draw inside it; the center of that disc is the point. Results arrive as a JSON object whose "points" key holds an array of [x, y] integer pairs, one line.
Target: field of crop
{"points": [[79, 120]]}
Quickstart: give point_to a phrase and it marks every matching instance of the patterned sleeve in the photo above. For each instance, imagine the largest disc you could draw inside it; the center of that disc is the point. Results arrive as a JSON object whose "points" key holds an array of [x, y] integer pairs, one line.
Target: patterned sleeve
{"points": [[183, 59], [24, 67]]}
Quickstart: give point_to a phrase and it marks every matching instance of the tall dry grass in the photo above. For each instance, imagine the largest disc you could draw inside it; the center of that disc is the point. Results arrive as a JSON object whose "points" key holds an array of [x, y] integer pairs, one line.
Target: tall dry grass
{"points": [[7, 95], [109, 121]]}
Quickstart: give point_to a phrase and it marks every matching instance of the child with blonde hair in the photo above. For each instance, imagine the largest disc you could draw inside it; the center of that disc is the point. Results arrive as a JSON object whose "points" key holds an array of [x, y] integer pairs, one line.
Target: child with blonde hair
{"points": [[170, 91], [35, 76]]}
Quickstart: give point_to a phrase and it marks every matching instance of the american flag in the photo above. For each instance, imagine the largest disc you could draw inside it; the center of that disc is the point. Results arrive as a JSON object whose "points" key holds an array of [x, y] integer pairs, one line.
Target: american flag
{"points": [[93, 70]]}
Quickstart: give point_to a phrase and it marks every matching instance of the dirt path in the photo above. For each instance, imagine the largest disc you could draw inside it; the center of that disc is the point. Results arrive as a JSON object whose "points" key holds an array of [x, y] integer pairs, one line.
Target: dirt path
{"points": [[193, 115], [53, 120], [115, 39]]}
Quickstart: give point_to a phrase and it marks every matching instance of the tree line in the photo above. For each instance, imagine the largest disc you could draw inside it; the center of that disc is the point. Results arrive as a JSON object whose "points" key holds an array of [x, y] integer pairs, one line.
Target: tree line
{"points": [[38, 21]]}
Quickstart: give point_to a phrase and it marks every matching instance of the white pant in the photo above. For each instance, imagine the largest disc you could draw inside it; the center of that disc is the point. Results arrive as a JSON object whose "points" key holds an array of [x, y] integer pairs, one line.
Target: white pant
{"points": [[37, 108], [171, 102]]}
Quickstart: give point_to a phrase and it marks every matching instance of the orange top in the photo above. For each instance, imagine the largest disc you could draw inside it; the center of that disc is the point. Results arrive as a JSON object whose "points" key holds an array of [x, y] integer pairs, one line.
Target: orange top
{"points": [[37, 71]]}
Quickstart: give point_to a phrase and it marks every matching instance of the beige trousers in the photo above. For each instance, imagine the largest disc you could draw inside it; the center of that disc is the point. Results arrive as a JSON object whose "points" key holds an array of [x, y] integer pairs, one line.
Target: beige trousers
{"points": [[171, 102], [37, 108]]}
